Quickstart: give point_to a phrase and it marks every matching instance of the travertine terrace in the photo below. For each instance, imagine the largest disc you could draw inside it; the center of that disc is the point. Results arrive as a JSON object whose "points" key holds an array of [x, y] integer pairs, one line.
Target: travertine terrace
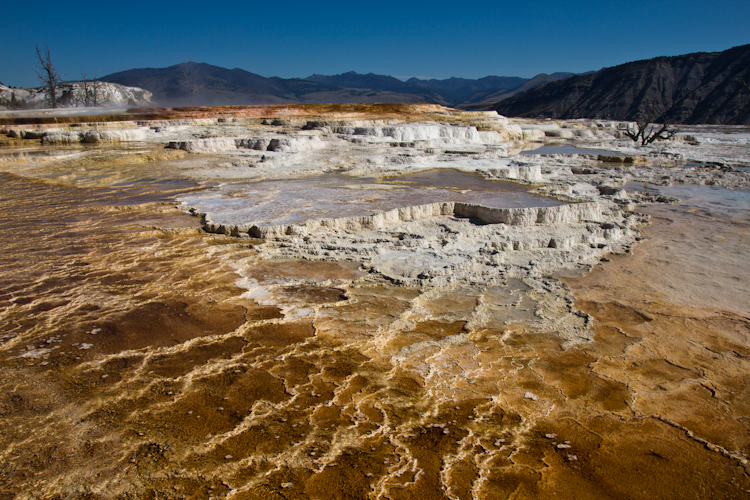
{"points": [[371, 301]]}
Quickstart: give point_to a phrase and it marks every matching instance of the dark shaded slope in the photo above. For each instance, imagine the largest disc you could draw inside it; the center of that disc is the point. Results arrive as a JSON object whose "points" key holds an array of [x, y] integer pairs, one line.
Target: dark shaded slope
{"points": [[494, 95], [694, 88]]}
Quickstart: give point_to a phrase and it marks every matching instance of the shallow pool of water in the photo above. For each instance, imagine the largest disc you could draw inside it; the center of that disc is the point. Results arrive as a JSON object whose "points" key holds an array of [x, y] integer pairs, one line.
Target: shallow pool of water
{"points": [[728, 202], [35, 153], [569, 150], [294, 201], [449, 178]]}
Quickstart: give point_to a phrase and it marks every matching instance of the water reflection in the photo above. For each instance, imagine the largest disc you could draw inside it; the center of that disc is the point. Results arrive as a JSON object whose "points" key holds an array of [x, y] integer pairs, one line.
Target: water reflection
{"points": [[294, 201], [569, 150]]}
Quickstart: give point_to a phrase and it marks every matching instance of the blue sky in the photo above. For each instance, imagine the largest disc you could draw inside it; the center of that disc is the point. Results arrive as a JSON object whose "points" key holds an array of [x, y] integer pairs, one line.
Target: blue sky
{"points": [[435, 39]]}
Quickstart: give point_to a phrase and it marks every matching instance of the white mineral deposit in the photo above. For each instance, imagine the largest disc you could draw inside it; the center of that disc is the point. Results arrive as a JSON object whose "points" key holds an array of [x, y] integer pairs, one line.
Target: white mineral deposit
{"points": [[368, 304]]}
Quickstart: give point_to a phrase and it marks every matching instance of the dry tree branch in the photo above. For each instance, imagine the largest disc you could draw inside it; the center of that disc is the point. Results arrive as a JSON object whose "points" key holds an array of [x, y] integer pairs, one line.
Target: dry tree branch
{"points": [[48, 74], [90, 90], [647, 133], [84, 99], [191, 79], [96, 88]]}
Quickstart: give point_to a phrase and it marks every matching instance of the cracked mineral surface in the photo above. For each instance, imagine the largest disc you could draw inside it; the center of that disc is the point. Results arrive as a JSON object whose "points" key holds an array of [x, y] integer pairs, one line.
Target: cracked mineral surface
{"points": [[290, 302]]}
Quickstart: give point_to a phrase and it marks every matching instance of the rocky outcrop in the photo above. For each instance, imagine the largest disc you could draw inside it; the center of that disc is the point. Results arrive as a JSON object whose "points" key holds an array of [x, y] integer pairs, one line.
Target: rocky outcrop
{"points": [[520, 217], [690, 89]]}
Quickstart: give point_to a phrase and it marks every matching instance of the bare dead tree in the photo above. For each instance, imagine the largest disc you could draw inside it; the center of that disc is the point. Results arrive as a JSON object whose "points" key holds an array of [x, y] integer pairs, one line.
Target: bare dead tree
{"points": [[191, 79], [96, 89], [90, 91], [48, 74], [83, 97], [647, 131]]}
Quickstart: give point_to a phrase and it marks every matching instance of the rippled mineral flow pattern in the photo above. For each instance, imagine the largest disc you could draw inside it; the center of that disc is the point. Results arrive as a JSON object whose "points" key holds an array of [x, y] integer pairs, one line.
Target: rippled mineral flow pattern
{"points": [[132, 364]]}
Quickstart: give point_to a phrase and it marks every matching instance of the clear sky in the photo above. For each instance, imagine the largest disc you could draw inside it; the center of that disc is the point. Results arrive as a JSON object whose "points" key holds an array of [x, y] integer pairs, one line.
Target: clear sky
{"points": [[436, 39]]}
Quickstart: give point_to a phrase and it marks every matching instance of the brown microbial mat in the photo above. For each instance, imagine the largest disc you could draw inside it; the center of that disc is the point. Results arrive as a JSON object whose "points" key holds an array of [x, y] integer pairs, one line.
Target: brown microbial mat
{"points": [[139, 360]]}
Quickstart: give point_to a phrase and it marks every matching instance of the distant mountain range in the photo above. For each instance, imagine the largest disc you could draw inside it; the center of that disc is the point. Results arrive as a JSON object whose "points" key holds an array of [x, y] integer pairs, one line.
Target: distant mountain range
{"points": [[693, 88], [688, 89], [220, 86]]}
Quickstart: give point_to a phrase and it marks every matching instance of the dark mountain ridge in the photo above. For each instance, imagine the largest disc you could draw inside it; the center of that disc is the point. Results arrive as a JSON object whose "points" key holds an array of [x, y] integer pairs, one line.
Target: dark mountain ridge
{"points": [[221, 86], [451, 91], [216, 85], [688, 89], [461, 90], [355, 80], [467, 86]]}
